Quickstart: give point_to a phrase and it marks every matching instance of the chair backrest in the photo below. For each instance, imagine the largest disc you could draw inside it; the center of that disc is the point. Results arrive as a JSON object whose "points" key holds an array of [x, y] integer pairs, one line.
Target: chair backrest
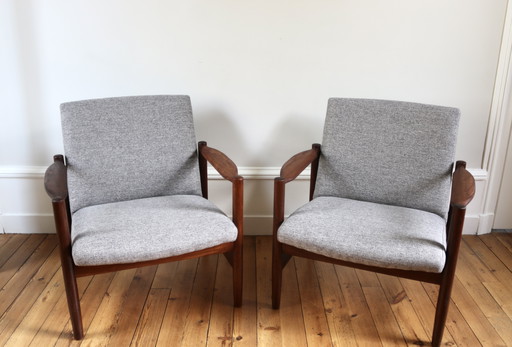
{"points": [[389, 152], [127, 148]]}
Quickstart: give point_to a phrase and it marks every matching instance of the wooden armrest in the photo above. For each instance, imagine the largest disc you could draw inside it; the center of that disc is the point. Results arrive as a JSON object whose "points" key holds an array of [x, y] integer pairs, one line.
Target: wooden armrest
{"points": [[296, 164], [220, 162], [55, 179], [463, 186]]}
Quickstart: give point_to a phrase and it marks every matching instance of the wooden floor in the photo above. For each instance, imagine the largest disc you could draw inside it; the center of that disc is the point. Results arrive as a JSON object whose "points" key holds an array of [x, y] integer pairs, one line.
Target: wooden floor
{"points": [[190, 304]]}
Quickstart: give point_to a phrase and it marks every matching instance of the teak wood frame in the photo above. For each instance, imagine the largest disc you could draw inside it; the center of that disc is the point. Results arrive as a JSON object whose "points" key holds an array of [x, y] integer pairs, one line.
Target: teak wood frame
{"points": [[55, 182], [463, 190]]}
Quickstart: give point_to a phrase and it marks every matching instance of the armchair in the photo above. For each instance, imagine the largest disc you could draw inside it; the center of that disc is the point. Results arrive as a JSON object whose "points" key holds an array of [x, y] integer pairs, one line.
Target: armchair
{"points": [[132, 191], [384, 196]]}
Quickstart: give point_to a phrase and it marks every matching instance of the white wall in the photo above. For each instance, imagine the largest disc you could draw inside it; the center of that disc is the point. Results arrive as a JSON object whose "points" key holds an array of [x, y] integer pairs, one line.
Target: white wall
{"points": [[259, 74]]}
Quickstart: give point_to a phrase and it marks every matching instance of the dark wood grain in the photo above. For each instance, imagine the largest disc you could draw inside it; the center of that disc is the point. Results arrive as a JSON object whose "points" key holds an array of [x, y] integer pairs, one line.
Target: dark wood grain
{"points": [[55, 179], [99, 269], [203, 169], [225, 166], [314, 169], [296, 164], [463, 187]]}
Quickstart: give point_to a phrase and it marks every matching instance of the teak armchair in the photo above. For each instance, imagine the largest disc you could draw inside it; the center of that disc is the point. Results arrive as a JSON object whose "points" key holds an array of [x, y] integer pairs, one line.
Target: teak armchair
{"points": [[384, 196], [132, 191]]}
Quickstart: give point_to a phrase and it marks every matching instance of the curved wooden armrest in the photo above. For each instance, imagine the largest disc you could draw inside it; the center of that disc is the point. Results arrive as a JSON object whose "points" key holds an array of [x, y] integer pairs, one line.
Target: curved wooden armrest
{"points": [[220, 162], [296, 164], [55, 179], [463, 187]]}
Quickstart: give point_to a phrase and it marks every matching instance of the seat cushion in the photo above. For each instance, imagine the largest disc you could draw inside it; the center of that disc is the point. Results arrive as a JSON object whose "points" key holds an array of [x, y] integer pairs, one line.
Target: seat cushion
{"points": [[368, 233], [147, 229]]}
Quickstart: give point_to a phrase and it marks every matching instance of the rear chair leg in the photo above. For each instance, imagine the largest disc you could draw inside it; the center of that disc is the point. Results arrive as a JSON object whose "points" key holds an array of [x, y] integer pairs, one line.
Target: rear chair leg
{"points": [[277, 275], [237, 275]]}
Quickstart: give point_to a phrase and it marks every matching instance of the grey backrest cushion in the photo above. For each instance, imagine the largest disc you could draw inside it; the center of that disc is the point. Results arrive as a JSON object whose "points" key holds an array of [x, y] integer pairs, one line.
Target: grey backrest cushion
{"points": [[389, 152], [127, 148]]}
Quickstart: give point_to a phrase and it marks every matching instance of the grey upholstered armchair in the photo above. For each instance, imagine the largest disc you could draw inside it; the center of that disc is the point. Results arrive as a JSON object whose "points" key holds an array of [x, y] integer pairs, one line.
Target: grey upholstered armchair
{"points": [[384, 196], [132, 191]]}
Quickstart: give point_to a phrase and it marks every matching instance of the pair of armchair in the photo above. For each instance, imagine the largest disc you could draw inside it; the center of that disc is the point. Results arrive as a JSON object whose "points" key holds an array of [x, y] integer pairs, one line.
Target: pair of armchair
{"points": [[132, 191]]}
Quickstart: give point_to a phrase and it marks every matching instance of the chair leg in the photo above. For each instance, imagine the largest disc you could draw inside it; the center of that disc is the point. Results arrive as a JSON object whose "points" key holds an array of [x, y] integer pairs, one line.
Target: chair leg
{"points": [[443, 303], [277, 275], [73, 298], [238, 275]]}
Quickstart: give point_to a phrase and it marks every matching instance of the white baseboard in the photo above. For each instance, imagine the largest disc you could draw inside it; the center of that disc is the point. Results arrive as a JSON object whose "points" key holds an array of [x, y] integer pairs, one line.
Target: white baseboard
{"points": [[258, 225], [471, 224], [485, 222], [27, 181], [27, 223]]}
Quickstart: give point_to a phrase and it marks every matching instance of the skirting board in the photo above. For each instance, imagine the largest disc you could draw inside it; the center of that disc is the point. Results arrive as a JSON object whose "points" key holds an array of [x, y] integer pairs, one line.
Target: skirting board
{"points": [[253, 225], [27, 223], [34, 222]]}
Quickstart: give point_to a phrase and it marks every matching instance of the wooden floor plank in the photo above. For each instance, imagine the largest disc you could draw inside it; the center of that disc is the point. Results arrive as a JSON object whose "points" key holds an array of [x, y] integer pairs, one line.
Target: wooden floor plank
{"points": [[57, 319], [291, 313], [501, 294], [10, 267], [10, 247], [315, 322], [335, 306], [269, 321], [174, 318], [4, 238], [132, 306], [150, 320], [164, 276], [220, 330], [476, 319], [475, 287], [245, 317], [385, 322], [495, 266], [197, 318], [90, 301], [361, 319], [456, 322], [498, 245], [425, 309], [407, 319], [105, 322], [190, 302], [505, 239], [13, 316], [38, 313], [24, 272]]}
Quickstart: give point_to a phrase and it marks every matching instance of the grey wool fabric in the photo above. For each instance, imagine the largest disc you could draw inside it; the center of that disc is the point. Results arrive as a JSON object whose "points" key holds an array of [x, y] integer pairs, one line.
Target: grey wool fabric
{"points": [[129, 148], [133, 181], [389, 152], [383, 185], [368, 233], [147, 229]]}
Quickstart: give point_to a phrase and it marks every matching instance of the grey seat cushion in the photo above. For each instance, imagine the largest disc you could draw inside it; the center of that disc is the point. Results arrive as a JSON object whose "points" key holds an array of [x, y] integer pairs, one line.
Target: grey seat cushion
{"points": [[147, 229], [390, 152], [127, 148], [368, 233]]}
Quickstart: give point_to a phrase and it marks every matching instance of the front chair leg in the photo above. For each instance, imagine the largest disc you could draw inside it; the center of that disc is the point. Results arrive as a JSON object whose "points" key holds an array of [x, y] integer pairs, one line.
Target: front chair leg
{"points": [[72, 297], [443, 303]]}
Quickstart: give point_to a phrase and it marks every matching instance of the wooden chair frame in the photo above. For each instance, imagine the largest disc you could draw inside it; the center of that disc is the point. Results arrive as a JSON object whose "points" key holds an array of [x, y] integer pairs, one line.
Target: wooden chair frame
{"points": [[55, 182], [463, 190]]}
